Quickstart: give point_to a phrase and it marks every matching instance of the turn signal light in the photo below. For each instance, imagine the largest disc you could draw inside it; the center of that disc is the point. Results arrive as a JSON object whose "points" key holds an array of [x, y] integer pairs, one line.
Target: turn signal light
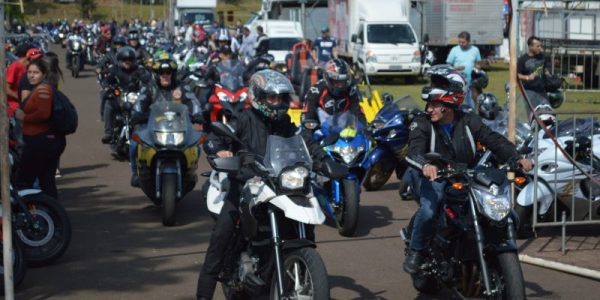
{"points": [[136, 138], [117, 92], [457, 186], [520, 180]]}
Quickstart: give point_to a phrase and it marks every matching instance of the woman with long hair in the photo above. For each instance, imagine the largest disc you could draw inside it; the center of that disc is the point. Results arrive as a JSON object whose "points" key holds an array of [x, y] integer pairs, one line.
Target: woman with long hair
{"points": [[42, 147]]}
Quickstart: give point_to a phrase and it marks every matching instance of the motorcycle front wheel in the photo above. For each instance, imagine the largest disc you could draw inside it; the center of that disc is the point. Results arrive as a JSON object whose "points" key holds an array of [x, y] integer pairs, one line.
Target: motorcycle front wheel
{"points": [[507, 276], [168, 197], [47, 236], [347, 213], [377, 176], [304, 276]]}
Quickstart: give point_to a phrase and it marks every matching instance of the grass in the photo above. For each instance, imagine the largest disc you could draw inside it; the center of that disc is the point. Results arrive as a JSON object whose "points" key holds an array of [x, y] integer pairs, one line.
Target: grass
{"points": [[498, 76]]}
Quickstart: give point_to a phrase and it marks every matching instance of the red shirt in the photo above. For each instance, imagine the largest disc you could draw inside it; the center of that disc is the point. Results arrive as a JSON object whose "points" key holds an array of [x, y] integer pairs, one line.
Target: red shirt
{"points": [[13, 75]]}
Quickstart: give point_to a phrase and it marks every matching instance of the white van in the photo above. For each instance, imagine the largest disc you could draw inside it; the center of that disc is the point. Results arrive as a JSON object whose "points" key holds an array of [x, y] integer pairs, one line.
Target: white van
{"points": [[282, 36]]}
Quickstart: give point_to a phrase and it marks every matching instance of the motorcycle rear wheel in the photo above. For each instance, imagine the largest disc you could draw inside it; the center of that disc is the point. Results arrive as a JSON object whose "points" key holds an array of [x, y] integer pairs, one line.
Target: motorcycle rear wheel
{"points": [[19, 264], [347, 214], [49, 240], [304, 276], [377, 176], [168, 197]]}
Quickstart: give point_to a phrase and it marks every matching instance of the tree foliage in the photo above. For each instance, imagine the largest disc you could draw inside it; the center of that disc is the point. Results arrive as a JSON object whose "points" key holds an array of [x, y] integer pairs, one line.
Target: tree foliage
{"points": [[87, 8]]}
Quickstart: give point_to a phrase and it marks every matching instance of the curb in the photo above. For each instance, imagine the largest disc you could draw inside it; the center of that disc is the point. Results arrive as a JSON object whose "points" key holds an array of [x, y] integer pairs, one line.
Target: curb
{"points": [[540, 262]]}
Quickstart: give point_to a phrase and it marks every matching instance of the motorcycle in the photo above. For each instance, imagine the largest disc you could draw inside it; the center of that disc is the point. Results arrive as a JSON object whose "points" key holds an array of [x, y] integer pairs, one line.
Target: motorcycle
{"points": [[41, 224], [390, 130], [125, 99], [271, 251], [343, 139], [230, 94], [77, 48], [89, 49], [167, 156], [473, 249]]}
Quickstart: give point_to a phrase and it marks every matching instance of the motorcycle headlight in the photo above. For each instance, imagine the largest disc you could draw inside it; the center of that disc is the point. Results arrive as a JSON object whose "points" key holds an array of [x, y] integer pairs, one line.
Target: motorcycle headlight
{"points": [[348, 153], [76, 45], [377, 124], [61, 35], [495, 202], [392, 134], [224, 97], [243, 97], [169, 138], [132, 97], [293, 179]]}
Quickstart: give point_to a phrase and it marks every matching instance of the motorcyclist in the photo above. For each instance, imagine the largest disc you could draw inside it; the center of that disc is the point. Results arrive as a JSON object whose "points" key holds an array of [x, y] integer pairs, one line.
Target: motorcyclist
{"points": [[133, 40], [335, 93], [103, 45], [126, 74], [454, 134], [75, 36], [110, 58], [164, 88], [269, 93]]}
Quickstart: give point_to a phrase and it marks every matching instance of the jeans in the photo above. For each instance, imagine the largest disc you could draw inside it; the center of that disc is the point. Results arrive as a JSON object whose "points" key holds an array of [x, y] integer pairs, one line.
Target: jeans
{"points": [[219, 240], [39, 159], [132, 154], [432, 196], [108, 117]]}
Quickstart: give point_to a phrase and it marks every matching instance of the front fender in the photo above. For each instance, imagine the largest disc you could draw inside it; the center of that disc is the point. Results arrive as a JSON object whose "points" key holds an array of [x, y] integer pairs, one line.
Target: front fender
{"points": [[27, 192], [297, 244], [545, 196]]}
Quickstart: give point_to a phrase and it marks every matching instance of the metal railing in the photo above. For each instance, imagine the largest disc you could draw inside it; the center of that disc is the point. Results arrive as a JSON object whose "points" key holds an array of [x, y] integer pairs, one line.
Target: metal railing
{"points": [[579, 66], [566, 176]]}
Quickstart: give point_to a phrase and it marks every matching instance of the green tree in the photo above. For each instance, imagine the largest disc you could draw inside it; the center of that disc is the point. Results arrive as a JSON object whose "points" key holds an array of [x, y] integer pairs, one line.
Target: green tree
{"points": [[87, 8]]}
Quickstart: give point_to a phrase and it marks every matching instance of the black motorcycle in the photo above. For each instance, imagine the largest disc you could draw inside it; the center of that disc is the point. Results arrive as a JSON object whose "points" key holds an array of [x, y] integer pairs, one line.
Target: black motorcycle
{"points": [[272, 251], [76, 46], [123, 99], [473, 250], [167, 156]]}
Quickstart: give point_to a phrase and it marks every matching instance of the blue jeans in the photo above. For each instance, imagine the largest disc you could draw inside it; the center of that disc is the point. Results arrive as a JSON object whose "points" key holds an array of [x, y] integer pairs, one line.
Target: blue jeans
{"points": [[432, 196], [132, 154]]}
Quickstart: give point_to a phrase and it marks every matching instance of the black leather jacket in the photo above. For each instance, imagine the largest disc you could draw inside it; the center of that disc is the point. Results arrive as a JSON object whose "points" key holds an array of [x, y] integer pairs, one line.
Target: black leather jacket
{"points": [[319, 96], [152, 93], [426, 136], [131, 80]]}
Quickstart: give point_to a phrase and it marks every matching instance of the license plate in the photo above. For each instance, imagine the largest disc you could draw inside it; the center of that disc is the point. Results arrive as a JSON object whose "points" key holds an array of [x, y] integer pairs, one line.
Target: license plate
{"points": [[396, 67]]}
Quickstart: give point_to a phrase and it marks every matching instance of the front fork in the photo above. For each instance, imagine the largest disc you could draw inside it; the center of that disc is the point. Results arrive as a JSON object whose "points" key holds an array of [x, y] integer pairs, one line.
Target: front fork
{"points": [[479, 238], [278, 255]]}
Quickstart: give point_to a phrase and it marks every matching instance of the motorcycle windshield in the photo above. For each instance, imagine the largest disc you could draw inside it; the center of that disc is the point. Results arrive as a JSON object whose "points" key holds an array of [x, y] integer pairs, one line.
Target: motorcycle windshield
{"points": [[285, 152], [168, 116], [405, 103], [338, 122], [230, 73]]}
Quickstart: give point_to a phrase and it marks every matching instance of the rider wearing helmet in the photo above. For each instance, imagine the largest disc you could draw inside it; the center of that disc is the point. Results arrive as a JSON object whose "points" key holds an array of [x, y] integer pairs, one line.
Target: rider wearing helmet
{"points": [[133, 41], [110, 58], [74, 37], [479, 81], [336, 92], [125, 74], [164, 88], [453, 134], [269, 93]]}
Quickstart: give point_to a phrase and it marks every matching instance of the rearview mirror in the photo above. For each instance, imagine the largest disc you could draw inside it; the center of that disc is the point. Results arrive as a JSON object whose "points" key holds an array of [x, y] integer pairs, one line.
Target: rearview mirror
{"points": [[229, 164], [223, 130]]}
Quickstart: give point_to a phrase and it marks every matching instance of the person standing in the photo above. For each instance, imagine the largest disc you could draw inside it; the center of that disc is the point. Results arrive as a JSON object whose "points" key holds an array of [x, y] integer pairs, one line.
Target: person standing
{"points": [[248, 42], [531, 67], [325, 47], [43, 147], [464, 56], [262, 42], [13, 74]]}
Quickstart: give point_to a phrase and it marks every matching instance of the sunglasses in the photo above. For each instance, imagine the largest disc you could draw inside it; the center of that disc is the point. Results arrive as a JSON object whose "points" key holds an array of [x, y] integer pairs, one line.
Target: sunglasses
{"points": [[165, 73]]}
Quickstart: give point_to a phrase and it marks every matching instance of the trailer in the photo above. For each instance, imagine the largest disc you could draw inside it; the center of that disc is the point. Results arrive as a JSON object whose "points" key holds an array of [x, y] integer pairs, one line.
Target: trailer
{"points": [[195, 11]]}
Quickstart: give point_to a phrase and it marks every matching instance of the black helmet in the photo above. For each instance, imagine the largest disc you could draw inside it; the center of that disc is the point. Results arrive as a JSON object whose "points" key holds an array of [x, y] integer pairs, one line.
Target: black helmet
{"points": [[119, 39], [265, 83], [337, 76], [133, 34], [556, 99], [479, 79], [126, 53], [487, 106]]}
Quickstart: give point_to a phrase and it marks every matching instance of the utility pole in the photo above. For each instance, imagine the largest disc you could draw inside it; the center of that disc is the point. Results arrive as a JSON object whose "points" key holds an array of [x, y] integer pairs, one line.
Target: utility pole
{"points": [[171, 22], [7, 249], [512, 92], [303, 16]]}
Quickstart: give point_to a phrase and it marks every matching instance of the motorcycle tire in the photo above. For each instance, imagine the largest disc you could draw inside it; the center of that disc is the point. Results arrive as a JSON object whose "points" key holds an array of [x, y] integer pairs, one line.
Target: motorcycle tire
{"points": [[511, 273], [524, 213], [75, 67], [315, 282], [168, 198], [19, 264], [377, 176], [424, 284], [49, 240], [347, 216]]}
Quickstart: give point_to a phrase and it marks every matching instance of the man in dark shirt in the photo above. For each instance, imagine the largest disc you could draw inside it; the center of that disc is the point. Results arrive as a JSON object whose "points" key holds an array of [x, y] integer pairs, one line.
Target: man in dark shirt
{"points": [[531, 67]]}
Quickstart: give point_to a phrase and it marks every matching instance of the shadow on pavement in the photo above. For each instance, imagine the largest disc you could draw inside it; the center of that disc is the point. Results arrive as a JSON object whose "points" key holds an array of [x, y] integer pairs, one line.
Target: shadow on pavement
{"points": [[71, 170], [533, 289], [350, 284], [372, 217]]}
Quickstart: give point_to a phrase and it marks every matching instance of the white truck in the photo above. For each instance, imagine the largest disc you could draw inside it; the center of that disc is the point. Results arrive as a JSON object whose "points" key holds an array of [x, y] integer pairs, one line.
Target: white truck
{"points": [[376, 35], [196, 11], [440, 22]]}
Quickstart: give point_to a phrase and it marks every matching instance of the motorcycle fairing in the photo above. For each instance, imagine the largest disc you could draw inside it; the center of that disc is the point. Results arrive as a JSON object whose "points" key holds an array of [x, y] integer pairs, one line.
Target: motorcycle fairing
{"points": [[219, 185], [545, 196]]}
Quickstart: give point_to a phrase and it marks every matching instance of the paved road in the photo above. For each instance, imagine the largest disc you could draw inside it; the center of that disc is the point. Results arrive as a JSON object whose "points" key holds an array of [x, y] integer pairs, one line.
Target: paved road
{"points": [[120, 250]]}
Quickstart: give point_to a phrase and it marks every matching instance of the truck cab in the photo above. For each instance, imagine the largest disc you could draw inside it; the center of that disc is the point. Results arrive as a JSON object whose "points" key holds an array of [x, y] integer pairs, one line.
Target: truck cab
{"points": [[386, 48]]}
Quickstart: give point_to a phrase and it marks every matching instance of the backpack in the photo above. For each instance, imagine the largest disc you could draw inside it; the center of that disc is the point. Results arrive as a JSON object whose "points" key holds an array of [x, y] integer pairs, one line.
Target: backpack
{"points": [[63, 120]]}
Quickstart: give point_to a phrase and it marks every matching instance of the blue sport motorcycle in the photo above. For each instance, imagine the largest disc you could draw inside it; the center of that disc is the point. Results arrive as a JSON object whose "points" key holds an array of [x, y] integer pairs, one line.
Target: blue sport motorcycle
{"points": [[390, 130], [342, 137]]}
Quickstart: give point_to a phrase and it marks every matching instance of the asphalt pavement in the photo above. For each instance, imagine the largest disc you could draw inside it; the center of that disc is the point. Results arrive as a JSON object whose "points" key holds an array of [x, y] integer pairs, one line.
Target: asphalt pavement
{"points": [[120, 249]]}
